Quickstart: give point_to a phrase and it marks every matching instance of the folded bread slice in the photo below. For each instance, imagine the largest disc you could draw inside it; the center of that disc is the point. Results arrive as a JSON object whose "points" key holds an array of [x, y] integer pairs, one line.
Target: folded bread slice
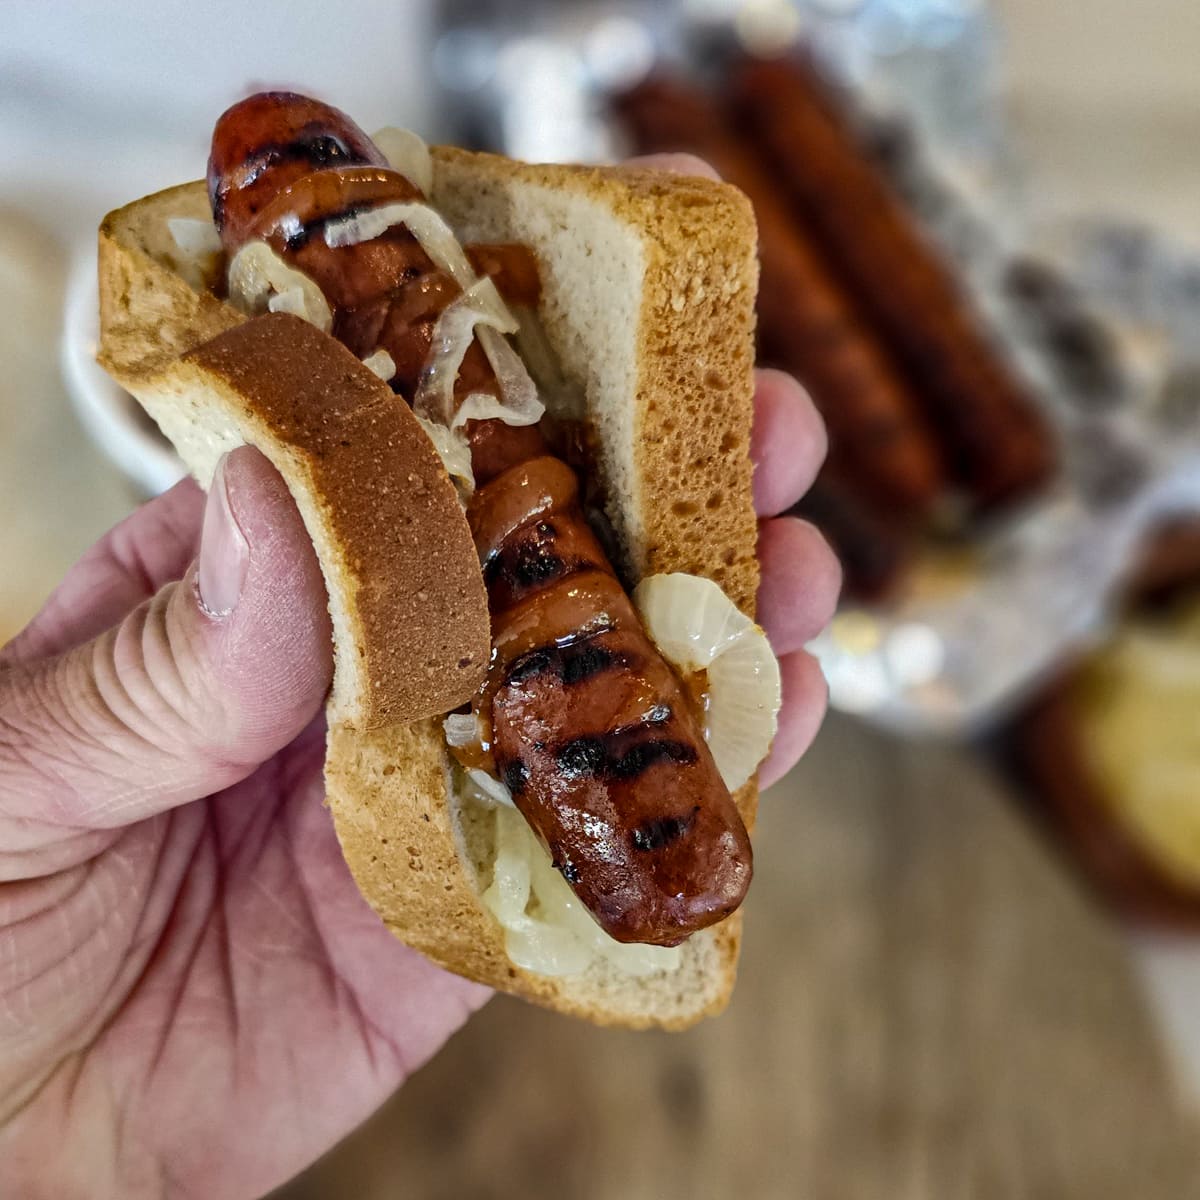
{"points": [[648, 308]]}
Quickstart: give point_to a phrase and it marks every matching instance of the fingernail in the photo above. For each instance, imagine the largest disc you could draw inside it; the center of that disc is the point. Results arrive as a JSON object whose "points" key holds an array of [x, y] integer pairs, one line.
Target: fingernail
{"points": [[224, 551]]}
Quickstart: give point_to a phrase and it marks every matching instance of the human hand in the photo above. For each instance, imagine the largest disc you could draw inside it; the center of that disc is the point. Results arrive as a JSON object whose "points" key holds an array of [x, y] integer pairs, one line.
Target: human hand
{"points": [[194, 998]]}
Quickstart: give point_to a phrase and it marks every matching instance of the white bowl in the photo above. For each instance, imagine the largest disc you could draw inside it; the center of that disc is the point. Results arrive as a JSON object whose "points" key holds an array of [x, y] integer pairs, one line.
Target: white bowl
{"points": [[110, 414]]}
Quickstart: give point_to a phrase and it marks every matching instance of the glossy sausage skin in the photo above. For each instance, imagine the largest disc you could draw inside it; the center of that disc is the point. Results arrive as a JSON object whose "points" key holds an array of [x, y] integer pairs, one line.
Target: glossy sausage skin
{"points": [[266, 142], [997, 444], [807, 324], [590, 729], [587, 724]]}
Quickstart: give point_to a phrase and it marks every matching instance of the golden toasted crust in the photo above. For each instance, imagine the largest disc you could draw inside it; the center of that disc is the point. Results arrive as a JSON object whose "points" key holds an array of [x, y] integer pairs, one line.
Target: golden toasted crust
{"points": [[696, 386], [149, 314], [412, 633], [675, 468], [390, 513]]}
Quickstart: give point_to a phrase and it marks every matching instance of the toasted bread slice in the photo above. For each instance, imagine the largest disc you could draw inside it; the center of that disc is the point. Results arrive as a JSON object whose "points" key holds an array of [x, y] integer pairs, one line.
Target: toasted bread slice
{"points": [[647, 304]]}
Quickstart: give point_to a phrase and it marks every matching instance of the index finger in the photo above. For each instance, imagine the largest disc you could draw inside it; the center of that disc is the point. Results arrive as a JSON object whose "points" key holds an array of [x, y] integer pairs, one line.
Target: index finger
{"points": [[788, 442], [676, 164]]}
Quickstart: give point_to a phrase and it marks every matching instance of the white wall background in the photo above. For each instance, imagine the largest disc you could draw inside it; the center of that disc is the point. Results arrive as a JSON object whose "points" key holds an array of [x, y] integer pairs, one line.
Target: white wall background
{"points": [[100, 102], [1106, 95]]}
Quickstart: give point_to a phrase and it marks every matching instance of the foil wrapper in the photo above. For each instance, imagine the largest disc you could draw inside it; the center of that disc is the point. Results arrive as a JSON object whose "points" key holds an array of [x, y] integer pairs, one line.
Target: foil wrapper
{"points": [[1101, 320], [1098, 319]]}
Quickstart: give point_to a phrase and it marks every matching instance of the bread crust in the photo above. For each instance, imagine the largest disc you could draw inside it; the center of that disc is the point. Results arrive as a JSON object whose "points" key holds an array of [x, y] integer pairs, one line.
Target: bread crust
{"points": [[149, 314], [400, 566], [398, 554], [302, 397]]}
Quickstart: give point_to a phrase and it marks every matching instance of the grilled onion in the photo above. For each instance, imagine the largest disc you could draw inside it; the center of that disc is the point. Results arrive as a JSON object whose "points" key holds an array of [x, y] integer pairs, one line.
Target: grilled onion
{"points": [[699, 628], [260, 281]]}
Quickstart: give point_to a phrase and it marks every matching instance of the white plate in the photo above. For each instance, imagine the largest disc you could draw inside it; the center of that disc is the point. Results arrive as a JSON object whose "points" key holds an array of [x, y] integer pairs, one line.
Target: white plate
{"points": [[109, 413]]}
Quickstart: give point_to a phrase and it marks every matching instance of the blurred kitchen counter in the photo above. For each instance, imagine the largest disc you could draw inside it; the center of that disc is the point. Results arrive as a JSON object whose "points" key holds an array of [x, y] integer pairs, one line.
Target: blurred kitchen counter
{"points": [[928, 1007]]}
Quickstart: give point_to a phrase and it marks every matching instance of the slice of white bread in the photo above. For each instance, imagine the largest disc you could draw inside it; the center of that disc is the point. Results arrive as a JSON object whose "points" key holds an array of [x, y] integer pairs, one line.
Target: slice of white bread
{"points": [[648, 295]]}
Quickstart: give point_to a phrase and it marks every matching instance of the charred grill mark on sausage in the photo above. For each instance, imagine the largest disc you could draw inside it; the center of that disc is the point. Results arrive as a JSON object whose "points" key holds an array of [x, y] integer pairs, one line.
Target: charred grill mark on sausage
{"points": [[572, 663], [611, 754], [656, 834]]}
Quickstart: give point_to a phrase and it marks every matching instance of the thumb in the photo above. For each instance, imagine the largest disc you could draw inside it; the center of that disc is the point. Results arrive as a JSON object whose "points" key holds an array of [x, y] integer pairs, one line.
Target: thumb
{"points": [[190, 692]]}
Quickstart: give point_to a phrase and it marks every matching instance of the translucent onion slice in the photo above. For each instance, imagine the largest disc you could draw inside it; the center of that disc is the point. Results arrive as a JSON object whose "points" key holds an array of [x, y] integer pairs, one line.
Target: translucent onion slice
{"points": [[452, 337], [380, 363], [508, 894], [462, 729], [545, 949], [407, 153], [199, 249], [259, 280], [743, 706], [521, 404], [293, 300], [482, 789], [698, 627], [489, 787], [480, 312], [454, 453], [565, 399], [427, 226]]}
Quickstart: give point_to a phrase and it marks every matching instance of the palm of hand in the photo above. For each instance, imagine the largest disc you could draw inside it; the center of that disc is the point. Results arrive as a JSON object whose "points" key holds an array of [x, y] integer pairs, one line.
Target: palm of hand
{"points": [[267, 978]]}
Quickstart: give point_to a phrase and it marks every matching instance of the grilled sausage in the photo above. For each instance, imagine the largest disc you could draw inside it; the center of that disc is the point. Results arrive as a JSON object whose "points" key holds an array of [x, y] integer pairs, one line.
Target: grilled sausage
{"points": [[591, 729], [997, 445], [268, 141]]}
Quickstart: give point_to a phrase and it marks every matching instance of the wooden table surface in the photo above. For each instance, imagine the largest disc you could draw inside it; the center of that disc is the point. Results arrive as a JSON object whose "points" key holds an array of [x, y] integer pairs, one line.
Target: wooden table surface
{"points": [[928, 1007]]}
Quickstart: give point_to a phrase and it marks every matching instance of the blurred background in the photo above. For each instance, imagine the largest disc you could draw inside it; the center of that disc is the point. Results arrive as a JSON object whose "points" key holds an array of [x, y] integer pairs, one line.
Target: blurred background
{"points": [[972, 963]]}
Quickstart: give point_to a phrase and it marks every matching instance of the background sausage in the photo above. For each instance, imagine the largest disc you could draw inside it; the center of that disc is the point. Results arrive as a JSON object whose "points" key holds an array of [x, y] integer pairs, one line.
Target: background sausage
{"points": [[997, 444], [807, 325]]}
